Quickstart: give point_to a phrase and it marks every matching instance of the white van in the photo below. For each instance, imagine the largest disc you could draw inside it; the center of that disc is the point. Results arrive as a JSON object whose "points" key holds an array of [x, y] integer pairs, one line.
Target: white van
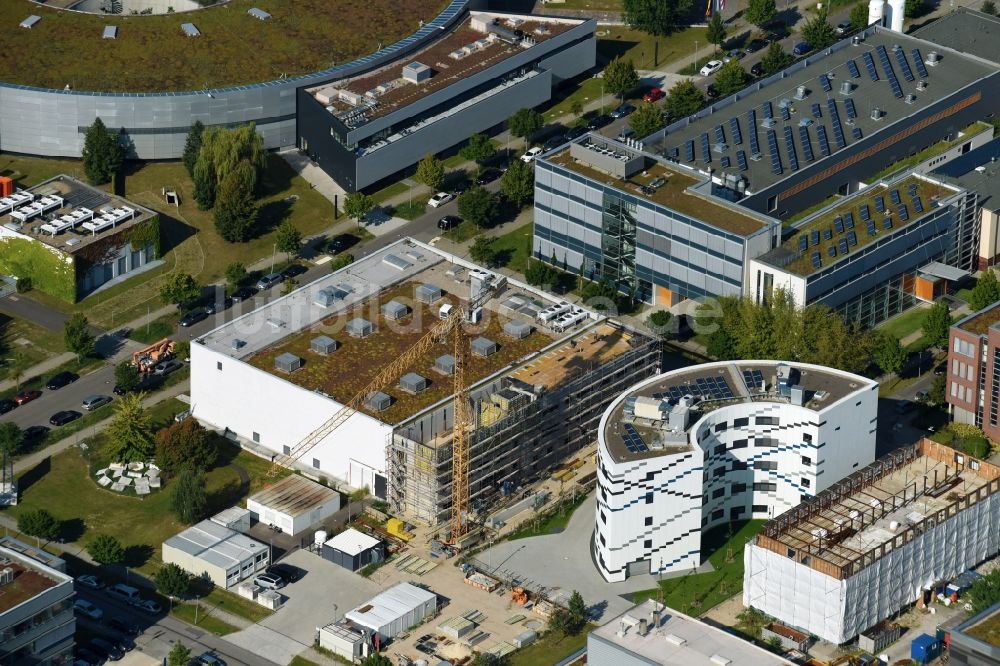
{"points": [[126, 593]]}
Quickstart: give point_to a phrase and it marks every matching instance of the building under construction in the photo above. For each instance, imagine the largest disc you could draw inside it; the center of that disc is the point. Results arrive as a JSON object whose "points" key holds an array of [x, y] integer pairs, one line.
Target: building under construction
{"points": [[537, 374], [876, 542]]}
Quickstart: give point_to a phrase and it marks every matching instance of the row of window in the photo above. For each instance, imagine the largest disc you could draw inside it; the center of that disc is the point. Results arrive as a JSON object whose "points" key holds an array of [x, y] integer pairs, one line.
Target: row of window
{"points": [[963, 393], [961, 370]]}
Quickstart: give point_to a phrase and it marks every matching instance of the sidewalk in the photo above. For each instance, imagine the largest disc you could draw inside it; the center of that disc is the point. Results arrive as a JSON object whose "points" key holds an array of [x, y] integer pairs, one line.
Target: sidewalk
{"points": [[39, 369]]}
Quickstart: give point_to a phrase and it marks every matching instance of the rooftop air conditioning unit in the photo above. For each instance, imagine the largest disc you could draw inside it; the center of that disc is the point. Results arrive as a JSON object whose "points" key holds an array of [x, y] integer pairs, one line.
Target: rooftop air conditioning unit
{"points": [[876, 113], [846, 88], [801, 92], [910, 98], [921, 85], [933, 58], [6, 576]]}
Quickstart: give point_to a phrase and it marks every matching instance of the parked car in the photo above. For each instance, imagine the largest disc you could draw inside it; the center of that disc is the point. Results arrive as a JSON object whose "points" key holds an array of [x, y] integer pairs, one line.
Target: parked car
{"points": [[801, 49], [60, 380], [653, 95], [118, 390], [530, 155], [269, 281], [119, 640], [64, 416], [34, 433], [193, 317], [92, 582], [842, 28], [339, 244], [87, 609], [941, 369], [554, 142], [124, 626], [6, 406], [269, 581], [27, 395], [487, 176], [293, 270], [244, 294], [734, 54], [106, 648], [93, 402], [285, 571], [711, 91], [164, 368], [217, 306], [576, 132], [149, 606], [711, 67], [449, 222], [440, 199], [209, 659], [755, 45], [757, 69], [904, 406], [622, 110], [597, 122]]}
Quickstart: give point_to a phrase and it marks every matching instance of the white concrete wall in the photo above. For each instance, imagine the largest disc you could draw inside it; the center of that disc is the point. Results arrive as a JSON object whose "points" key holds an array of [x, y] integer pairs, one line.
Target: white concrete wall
{"points": [[794, 285], [289, 524], [248, 400]]}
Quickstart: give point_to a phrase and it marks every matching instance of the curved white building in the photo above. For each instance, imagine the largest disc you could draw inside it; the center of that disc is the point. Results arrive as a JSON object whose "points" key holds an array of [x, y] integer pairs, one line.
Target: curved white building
{"points": [[705, 445]]}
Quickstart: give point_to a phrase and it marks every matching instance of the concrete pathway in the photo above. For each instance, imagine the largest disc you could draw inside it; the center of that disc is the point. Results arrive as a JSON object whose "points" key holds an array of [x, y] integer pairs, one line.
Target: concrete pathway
{"points": [[314, 175], [40, 369]]}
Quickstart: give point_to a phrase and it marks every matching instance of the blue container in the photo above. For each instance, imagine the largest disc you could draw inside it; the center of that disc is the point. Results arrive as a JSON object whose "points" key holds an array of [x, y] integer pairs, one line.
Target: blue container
{"points": [[925, 648]]}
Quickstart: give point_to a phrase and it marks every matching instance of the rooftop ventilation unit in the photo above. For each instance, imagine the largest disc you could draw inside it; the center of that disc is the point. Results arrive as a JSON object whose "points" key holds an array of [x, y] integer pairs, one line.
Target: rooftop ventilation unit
{"points": [[910, 98], [31, 21], [756, 157], [110, 32], [190, 30], [933, 58], [768, 123], [921, 85], [801, 92], [259, 14], [876, 113], [846, 88], [6, 576], [674, 639], [856, 39], [721, 660], [238, 344], [720, 147]]}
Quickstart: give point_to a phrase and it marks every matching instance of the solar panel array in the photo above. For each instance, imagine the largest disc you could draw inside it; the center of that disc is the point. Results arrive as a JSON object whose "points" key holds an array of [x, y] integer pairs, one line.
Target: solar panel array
{"points": [[814, 238], [883, 58], [706, 150], [807, 149], [824, 81], [904, 214], [720, 134], [838, 224], [903, 65], [838, 131], [894, 197], [871, 228], [853, 68], [824, 145], [785, 113], [767, 109], [918, 206], [852, 238], [827, 234], [849, 107], [918, 62], [879, 205], [803, 243], [753, 379], [633, 440], [842, 246], [816, 261], [734, 130], [741, 160], [849, 220], [725, 161], [817, 112], [772, 147], [689, 150], [831, 251], [870, 65], [856, 133], [752, 130], [711, 388], [865, 213], [793, 158], [887, 223]]}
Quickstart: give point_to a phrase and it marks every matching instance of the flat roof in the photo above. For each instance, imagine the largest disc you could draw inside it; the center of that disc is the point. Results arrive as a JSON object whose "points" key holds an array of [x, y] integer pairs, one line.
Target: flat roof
{"points": [[985, 626], [674, 193], [965, 30], [216, 545], [77, 197], [295, 495], [790, 257], [978, 171], [390, 91], [952, 73], [678, 639], [390, 605], [717, 385], [844, 528], [32, 574], [352, 542], [980, 322]]}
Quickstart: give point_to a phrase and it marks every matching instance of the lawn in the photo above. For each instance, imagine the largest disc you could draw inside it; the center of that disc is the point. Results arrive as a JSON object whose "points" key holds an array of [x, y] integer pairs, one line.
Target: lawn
{"points": [[905, 324], [464, 232], [24, 344], [514, 248], [550, 649], [617, 40], [552, 523], [587, 91], [206, 621], [234, 48], [156, 330], [211, 596], [696, 593], [410, 210], [389, 192]]}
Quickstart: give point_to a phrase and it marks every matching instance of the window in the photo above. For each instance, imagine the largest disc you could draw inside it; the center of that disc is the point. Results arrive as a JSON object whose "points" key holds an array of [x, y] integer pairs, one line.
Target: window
{"points": [[739, 488], [772, 204], [739, 466], [954, 389], [807, 438], [791, 553], [766, 420], [648, 543], [736, 512], [256, 437], [954, 365], [765, 487], [718, 492], [765, 464], [741, 423], [649, 498], [806, 483], [719, 471], [739, 444], [719, 448], [765, 442], [807, 461], [648, 521], [720, 427], [759, 508], [650, 475], [218, 365], [604, 518], [316, 463], [717, 514], [286, 449]]}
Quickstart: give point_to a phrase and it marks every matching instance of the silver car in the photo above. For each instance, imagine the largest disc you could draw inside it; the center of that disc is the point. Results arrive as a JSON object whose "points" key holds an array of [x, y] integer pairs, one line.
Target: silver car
{"points": [[95, 401]]}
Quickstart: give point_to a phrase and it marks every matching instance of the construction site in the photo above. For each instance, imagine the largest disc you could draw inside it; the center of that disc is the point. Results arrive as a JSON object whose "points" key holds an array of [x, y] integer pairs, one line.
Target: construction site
{"points": [[875, 543], [353, 377]]}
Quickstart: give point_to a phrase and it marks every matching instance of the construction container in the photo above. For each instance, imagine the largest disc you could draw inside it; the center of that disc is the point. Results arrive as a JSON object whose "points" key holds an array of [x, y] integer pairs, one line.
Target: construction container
{"points": [[6, 186], [428, 293], [411, 382], [378, 401], [287, 362], [484, 347], [395, 310], [517, 329], [925, 649], [323, 345], [524, 639], [359, 328]]}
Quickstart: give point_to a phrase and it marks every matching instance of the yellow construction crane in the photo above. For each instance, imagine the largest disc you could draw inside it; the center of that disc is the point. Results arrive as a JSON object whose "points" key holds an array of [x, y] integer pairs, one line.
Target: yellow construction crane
{"points": [[389, 374]]}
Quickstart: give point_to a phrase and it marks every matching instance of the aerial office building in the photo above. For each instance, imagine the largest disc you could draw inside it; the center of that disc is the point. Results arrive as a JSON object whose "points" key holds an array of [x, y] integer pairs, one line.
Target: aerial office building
{"points": [[692, 449], [972, 387], [875, 542]]}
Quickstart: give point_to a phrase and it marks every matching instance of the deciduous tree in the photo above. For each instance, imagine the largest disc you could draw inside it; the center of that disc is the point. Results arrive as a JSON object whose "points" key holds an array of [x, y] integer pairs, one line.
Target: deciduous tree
{"points": [[185, 443], [192, 146], [859, 16], [647, 119], [102, 154], [357, 205], [524, 123], [540, 274], [483, 251], [518, 182], [989, 7], [430, 172], [662, 323], [731, 78], [204, 183], [716, 29], [127, 376], [288, 238], [986, 292], [889, 353], [760, 12], [179, 655], [620, 76], [106, 549], [236, 272], [914, 8], [179, 288], [480, 148], [477, 205], [39, 523], [188, 501], [10, 439], [936, 324], [656, 17], [775, 59], [818, 32], [130, 432], [77, 335], [683, 99], [235, 213], [172, 581]]}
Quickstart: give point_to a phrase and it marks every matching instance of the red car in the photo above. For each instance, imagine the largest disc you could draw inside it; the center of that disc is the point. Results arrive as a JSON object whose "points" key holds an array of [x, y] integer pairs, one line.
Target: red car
{"points": [[653, 95], [27, 395]]}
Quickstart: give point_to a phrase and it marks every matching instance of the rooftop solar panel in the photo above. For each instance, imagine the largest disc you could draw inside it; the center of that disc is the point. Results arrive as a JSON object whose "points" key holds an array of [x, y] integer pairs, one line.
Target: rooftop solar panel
{"points": [[725, 161], [793, 158], [883, 58], [879, 204], [827, 234], [814, 238], [887, 223], [865, 213], [918, 62], [767, 110], [838, 224], [807, 149], [856, 133], [842, 246], [904, 66], [894, 197], [871, 228], [838, 131], [706, 150], [831, 251], [849, 220], [772, 147], [849, 107], [853, 68], [870, 65], [720, 134], [675, 152], [904, 214], [785, 113], [918, 206], [817, 111], [852, 238], [824, 145], [912, 189], [824, 81], [803, 243], [734, 131], [741, 160], [633, 440], [816, 261]]}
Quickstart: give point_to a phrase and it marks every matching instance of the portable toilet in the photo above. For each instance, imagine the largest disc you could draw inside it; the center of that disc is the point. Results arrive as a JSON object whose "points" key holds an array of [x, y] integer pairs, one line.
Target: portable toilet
{"points": [[925, 648]]}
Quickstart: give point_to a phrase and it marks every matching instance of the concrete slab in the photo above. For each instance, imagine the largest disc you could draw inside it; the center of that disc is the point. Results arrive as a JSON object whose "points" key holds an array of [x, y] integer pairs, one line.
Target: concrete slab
{"points": [[269, 644]]}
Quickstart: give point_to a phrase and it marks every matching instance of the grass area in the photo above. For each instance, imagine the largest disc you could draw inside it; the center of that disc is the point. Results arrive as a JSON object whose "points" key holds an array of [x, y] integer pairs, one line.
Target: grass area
{"points": [[931, 151], [301, 661], [453, 161], [24, 344], [619, 40], [157, 329], [389, 192], [410, 210], [205, 620], [964, 294], [905, 324], [553, 522], [463, 232], [304, 36], [548, 650], [988, 630], [211, 596], [586, 92], [696, 593], [514, 248]]}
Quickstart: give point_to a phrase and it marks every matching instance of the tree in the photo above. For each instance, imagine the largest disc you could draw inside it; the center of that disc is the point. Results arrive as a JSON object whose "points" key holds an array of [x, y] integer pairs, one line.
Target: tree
{"points": [[430, 172], [986, 292], [656, 17], [683, 99], [182, 349], [731, 78], [237, 151], [577, 613], [889, 353], [235, 213], [172, 581], [914, 8], [760, 12], [186, 443], [620, 76], [358, 204], [936, 324], [127, 376], [558, 621], [376, 659], [77, 335], [130, 432], [984, 592], [646, 120], [480, 149], [601, 296], [179, 288], [39, 523], [859, 16], [288, 238], [483, 252], [989, 7], [540, 274], [179, 655], [10, 439], [661, 323], [935, 394], [106, 549], [524, 123], [518, 182], [102, 154], [204, 183], [716, 30], [188, 501], [236, 272], [818, 32], [775, 59], [192, 146], [489, 659], [477, 205]]}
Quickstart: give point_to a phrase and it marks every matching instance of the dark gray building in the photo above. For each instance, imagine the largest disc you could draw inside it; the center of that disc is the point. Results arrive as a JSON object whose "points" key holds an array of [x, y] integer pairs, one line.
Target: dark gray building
{"points": [[974, 642], [353, 550]]}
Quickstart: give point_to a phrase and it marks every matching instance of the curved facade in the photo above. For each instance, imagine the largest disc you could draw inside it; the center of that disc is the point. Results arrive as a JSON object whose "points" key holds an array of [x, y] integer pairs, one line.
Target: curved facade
{"points": [[717, 443], [51, 123]]}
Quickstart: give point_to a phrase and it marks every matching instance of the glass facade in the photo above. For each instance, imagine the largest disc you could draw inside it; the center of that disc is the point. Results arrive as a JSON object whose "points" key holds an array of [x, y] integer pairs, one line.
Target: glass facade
{"points": [[881, 302]]}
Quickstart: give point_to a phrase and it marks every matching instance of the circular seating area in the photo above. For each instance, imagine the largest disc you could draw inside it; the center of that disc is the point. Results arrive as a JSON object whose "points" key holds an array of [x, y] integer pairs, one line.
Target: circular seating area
{"points": [[142, 478]]}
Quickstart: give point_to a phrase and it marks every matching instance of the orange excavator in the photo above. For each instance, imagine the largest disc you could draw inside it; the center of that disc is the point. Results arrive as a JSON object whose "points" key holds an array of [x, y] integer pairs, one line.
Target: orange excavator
{"points": [[146, 359]]}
